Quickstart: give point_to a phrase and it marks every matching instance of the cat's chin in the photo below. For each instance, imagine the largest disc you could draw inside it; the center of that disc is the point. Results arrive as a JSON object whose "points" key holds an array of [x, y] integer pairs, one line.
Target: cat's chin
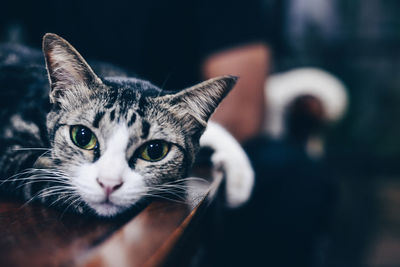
{"points": [[107, 209]]}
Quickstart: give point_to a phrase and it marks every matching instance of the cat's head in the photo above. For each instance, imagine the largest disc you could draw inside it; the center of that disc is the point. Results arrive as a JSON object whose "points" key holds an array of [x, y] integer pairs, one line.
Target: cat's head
{"points": [[118, 139]]}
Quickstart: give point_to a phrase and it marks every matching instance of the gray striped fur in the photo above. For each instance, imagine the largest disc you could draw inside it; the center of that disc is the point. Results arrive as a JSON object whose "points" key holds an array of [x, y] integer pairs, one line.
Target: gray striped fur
{"points": [[38, 159]]}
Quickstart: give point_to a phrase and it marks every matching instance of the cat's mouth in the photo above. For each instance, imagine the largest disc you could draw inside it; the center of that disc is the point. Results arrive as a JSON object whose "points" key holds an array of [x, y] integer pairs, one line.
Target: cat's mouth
{"points": [[106, 208]]}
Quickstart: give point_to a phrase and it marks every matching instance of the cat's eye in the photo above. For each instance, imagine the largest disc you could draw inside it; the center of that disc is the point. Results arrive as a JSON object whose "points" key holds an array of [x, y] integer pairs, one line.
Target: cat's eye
{"points": [[154, 150], [83, 137]]}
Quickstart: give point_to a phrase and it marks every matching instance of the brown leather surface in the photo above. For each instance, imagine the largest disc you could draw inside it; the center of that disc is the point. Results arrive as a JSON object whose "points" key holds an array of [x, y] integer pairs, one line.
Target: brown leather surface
{"points": [[33, 235]]}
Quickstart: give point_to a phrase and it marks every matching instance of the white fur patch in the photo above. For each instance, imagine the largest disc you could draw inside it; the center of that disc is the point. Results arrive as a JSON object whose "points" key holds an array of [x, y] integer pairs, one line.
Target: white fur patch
{"points": [[282, 89], [230, 157], [111, 168]]}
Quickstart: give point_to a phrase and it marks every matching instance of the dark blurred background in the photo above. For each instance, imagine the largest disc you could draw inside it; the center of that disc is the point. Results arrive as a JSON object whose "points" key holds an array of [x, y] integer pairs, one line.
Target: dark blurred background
{"points": [[357, 41]]}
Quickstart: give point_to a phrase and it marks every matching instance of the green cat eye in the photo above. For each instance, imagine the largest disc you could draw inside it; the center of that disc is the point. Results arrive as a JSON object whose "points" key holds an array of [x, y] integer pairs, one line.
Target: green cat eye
{"points": [[154, 150], [83, 137]]}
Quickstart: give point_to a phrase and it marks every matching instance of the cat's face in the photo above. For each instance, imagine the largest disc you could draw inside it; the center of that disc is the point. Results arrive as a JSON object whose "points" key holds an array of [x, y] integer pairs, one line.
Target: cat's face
{"points": [[120, 139]]}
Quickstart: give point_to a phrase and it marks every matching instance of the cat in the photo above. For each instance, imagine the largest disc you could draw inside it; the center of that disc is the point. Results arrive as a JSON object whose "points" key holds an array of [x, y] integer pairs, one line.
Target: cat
{"points": [[71, 139]]}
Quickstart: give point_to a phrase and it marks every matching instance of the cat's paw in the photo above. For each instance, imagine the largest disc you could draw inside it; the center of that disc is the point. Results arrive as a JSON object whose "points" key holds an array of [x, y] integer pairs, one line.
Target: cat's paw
{"points": [[239, 176], [230, 158]]}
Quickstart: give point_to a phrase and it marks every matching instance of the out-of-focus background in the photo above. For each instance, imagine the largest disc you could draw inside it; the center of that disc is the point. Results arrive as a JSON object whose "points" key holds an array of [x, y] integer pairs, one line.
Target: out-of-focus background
{"points": [[359, 43]]}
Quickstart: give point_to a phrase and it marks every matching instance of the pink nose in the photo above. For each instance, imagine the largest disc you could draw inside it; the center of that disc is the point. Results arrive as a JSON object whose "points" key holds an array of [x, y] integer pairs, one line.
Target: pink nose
{"points": [[109, 186]]}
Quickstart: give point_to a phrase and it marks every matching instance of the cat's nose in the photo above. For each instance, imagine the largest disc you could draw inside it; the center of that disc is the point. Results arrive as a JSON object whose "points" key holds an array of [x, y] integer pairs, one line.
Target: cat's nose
{"points": [[109, 186]]}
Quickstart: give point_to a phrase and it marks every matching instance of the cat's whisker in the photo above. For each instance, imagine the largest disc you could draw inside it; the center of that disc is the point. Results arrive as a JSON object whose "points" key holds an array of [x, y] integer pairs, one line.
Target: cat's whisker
{"points": [[42, 155], [35, 172], [166, 192], [25, 181], [38, 194], [46, 194], [176, 186], [172, 187], [53, 171], [68, 198], [30, 148], [164, 83], [71, 204], [37, 176], [32, 198], [64, 198], [189, 179], [52, 189], [182, 201], [171, 191], [38, 180], [61, 197], [34, 181], [18, 174], [180, 183]]}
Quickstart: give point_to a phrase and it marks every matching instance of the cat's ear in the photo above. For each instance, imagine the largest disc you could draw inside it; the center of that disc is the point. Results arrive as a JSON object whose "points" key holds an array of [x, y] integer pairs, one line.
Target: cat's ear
{"points": [[201, 100], [66, 68]]}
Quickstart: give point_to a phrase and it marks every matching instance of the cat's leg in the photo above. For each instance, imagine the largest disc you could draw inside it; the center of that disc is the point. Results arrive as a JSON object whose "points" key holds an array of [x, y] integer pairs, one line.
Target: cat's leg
{"points": [[230, 157]]}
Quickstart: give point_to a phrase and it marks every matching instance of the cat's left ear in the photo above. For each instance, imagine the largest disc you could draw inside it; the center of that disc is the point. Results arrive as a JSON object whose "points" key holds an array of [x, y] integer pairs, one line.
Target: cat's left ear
{"points": [[201, 100], [65, 66]]}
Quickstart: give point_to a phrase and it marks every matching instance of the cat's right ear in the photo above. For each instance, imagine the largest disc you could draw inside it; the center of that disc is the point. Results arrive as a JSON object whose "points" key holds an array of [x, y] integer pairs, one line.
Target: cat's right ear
{"points": [[66, 68], [201, 100]]}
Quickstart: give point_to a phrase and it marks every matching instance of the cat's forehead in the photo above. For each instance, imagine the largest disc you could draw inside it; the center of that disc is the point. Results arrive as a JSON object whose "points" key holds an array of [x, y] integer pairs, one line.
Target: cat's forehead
{"points": [[125, 101], [142, 87], [128, 97]]}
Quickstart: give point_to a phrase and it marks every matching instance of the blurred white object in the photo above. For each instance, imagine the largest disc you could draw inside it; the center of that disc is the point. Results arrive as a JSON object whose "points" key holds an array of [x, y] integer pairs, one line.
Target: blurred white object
{"points": [[283, 88]]}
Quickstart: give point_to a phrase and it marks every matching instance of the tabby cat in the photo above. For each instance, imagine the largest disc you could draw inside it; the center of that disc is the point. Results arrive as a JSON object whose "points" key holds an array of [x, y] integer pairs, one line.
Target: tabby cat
{"points": [[101, 145]]}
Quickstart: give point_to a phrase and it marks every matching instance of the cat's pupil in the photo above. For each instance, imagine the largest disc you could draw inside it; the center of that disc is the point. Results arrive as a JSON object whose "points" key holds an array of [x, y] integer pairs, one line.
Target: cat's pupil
{"points": [[155, 150], [83, 136]]}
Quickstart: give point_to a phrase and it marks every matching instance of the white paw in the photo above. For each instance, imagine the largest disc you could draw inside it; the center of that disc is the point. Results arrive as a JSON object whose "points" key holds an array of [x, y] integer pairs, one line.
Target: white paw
{"points": [[230, 157]]}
